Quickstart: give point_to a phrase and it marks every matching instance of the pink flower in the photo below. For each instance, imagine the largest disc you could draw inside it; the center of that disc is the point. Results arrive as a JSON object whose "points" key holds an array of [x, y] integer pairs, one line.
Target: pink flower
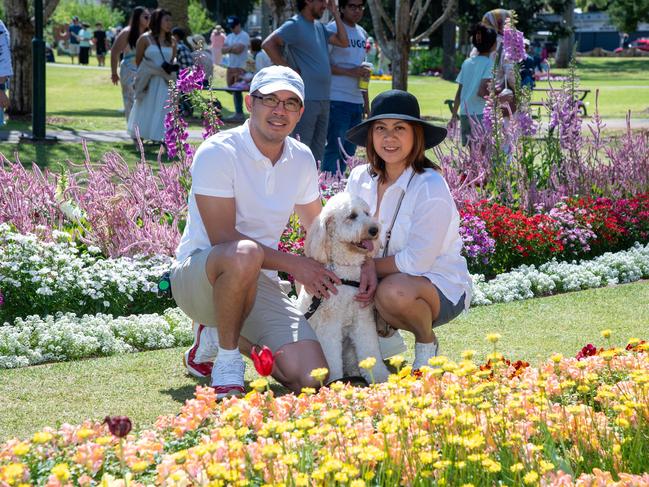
{"points": [[513, 43]]}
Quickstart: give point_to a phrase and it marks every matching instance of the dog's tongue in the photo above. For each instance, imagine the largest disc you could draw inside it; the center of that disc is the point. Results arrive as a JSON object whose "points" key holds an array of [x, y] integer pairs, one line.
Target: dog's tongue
{"points": [[368, 244]]}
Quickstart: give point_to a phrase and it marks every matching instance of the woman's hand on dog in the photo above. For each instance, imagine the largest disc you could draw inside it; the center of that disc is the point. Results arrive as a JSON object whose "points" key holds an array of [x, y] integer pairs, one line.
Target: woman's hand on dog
{"points": [[316, 279], [369, 282]]}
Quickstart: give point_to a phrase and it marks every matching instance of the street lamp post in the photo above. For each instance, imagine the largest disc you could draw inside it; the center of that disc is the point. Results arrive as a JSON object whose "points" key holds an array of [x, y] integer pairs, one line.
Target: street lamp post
{"points": [[38, 81]]}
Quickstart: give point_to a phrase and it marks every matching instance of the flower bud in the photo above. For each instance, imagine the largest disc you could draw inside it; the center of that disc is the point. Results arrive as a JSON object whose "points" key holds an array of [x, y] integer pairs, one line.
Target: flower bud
{"points": [[119, 426]]}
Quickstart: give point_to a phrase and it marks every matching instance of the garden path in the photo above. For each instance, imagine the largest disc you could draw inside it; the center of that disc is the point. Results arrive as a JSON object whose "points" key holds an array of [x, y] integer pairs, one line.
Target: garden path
{"points": [[13, 136]]}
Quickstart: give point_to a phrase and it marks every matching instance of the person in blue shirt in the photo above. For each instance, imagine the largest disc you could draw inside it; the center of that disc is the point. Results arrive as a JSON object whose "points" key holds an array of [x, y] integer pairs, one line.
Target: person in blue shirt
{"points": [[307, 45], [348, 102], [473, 81], [73, 31]]}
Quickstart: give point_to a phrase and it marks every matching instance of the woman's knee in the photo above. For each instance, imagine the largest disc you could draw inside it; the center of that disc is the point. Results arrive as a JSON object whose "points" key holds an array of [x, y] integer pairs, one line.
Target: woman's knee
{"points": [[393, 293]]}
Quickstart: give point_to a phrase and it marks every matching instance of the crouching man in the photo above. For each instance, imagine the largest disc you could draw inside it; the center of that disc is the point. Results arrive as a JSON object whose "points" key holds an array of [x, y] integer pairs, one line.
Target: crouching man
{"points": [[246, 182]]}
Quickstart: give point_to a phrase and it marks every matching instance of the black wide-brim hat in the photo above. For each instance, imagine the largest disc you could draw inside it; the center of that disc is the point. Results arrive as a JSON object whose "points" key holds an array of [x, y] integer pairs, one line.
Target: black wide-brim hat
{"points": [[402, 106]]}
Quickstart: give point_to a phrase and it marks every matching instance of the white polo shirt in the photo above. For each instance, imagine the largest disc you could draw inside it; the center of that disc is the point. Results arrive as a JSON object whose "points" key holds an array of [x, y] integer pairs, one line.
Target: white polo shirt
{"points": [[229, 165], [425, 239]]}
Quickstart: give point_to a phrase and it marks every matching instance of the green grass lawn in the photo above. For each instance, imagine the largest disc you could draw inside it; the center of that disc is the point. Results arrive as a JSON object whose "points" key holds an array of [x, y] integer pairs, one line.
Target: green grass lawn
{"points": [[79, 98], [145, 385]]}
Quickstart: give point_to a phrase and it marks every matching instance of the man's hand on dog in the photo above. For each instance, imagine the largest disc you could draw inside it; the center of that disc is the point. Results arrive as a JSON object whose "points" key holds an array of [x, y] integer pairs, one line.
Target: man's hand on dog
{"points": [[369, 282], [316, 279]]}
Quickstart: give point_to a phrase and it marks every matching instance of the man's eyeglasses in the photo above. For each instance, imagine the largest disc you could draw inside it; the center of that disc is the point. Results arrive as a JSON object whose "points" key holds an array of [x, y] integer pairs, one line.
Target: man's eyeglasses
{"points": [[354, 6], [270, 101]]}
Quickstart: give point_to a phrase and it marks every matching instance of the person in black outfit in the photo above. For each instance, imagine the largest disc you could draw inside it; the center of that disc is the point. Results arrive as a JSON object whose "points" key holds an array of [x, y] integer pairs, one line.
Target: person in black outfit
{"points": [[101, 44]]}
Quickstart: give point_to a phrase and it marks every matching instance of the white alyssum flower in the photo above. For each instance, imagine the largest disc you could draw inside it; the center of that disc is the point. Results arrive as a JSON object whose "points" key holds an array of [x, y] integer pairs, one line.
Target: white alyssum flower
{"points": [[38, 277], [66, 336], [554, 277]]}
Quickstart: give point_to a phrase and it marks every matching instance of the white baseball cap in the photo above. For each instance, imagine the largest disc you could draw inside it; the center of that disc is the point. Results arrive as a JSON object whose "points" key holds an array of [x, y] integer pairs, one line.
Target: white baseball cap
{"points": [[276, 78]]}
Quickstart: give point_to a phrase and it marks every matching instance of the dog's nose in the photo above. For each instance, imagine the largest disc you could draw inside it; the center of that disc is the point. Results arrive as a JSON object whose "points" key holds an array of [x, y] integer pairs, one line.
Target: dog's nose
{"points": [[373, 231]]}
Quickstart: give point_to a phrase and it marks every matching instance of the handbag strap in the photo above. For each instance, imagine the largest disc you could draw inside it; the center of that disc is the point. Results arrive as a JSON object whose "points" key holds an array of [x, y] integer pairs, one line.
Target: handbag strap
{"points": [[388, 234], [160, 49]]}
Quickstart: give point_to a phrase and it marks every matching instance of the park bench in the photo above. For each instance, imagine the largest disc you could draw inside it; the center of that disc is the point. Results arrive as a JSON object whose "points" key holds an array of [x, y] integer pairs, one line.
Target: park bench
{"points": [[580, 94]]}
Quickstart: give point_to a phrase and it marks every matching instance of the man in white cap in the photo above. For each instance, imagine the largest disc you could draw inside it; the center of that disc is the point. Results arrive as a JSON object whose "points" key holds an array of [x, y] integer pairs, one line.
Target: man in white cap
{"points": [[246, 182]]}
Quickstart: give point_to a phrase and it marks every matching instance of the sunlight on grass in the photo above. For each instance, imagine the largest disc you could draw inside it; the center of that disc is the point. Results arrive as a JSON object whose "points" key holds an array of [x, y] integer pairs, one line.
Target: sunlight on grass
{"points": [[145, 385]]}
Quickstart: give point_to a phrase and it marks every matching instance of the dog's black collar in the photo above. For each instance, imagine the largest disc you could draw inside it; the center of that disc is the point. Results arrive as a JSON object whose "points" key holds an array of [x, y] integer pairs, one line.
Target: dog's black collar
{"points": [[315, 302]]}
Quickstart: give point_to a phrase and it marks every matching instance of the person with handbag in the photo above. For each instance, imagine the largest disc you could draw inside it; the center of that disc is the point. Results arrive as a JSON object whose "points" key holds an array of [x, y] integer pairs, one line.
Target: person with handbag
{"points": [[419, 280], [155, 52]]}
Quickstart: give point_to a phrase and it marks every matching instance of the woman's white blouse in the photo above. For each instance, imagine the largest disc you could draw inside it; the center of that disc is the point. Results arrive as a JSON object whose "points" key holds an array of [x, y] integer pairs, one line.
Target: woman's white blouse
{"points": [[425, 239]]}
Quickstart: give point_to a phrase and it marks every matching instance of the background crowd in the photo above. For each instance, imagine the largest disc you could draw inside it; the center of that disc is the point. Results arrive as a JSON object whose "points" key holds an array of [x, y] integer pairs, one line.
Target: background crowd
{"points": [[336, 99]]}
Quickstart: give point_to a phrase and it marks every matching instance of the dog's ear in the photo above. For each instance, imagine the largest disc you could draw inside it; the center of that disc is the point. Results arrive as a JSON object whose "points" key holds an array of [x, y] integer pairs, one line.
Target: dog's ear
{"points": [[318, 241]]}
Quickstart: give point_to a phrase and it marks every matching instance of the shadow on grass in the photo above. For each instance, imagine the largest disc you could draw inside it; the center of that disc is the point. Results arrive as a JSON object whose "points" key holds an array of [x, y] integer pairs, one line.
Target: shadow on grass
{"points": [[182, 394], [55, 156], [95, 112]]}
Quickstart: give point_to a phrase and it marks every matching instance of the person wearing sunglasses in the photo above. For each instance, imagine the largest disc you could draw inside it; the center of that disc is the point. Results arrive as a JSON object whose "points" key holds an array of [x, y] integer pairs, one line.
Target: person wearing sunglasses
{"points": [[246, 183], [349, 77], [306, 42]]}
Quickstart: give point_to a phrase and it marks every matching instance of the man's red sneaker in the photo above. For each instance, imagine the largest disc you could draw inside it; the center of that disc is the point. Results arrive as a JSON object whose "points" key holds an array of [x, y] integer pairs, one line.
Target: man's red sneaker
{"points": [[199, 359]]}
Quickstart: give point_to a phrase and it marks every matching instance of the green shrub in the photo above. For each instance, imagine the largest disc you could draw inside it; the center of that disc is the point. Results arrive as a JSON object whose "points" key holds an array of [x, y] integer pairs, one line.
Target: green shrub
{"points": [[199, 18], [90, 13]]}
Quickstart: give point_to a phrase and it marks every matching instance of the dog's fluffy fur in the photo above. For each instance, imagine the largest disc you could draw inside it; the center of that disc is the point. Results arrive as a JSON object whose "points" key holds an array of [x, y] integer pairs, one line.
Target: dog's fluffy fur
{"points": [[341, 238]]}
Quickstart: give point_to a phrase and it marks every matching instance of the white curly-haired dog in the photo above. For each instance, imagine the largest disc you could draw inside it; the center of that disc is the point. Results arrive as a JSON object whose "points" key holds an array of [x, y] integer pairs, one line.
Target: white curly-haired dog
{"points": [[341, 238]]}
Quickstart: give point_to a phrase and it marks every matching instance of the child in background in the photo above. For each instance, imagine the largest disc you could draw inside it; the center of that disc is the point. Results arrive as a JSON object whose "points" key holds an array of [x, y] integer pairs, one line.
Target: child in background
{"points": [[473, 81], [259, 56]]}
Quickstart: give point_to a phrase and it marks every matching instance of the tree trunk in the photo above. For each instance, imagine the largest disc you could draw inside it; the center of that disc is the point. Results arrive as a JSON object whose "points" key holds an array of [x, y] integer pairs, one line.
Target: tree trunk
{"points": [[566, 43], [178, 9], [448, 43], [21, 31], [18, 19], [400, 66], [402, 46]]}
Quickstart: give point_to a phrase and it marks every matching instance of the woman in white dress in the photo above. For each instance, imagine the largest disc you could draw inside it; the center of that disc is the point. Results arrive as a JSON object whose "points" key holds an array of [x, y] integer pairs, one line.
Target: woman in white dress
{"points": [[155, 53], [124, 44]]}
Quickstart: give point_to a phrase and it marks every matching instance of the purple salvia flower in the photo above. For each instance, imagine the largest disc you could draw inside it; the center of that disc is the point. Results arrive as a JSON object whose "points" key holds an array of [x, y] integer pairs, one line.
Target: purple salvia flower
{"points": [[2, 299]]}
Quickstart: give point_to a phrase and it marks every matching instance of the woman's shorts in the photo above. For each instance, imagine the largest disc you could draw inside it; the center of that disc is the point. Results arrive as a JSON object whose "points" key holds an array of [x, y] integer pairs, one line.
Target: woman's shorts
{"points": [[273, 321], [447, 310]]}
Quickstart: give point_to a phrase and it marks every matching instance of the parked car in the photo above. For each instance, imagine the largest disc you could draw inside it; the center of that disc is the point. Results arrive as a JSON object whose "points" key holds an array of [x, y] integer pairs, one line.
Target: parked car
{"points": [[642, 43]]}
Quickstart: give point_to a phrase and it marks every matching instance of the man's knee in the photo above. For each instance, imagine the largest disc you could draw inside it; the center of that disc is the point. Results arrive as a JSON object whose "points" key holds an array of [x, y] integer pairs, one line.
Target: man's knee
{"points": [[244, 259], [296, 361]]}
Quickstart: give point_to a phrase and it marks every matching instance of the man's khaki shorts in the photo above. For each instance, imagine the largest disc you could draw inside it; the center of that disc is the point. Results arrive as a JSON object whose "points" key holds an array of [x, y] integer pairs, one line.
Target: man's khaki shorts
{"points": [[273, 321]]}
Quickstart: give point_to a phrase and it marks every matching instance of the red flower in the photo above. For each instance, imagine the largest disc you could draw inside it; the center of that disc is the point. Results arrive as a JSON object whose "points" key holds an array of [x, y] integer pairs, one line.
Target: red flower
{"points": [[119, 426], [263, 360], [588, 351]]}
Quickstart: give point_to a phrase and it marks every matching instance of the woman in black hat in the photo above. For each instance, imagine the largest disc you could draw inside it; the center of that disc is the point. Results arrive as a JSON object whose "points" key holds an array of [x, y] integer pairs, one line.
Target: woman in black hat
{"points": [[423, 278]]}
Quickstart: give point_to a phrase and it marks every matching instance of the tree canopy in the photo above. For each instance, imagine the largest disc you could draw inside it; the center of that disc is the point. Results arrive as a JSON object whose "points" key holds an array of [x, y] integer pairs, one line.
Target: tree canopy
{"points": [[87, 12]]}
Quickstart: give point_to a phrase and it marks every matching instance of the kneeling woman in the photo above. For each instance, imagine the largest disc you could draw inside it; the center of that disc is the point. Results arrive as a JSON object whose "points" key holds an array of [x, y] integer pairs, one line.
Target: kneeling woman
{"points": [[423, 278]]}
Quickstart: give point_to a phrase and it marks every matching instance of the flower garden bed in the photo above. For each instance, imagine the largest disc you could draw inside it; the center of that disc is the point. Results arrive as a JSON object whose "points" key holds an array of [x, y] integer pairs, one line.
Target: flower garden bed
{"points": [[68, 336], [571, 421]]}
